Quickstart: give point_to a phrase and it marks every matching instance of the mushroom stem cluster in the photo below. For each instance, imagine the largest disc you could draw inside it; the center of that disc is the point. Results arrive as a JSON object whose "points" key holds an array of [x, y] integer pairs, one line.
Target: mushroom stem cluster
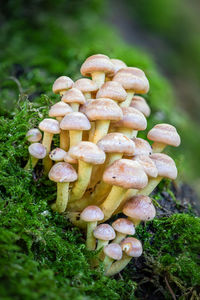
{"points": [[101, 168]]}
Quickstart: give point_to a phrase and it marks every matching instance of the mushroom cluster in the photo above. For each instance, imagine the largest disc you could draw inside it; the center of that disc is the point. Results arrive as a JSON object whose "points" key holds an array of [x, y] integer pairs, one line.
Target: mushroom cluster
{"points": [[102, 168]]}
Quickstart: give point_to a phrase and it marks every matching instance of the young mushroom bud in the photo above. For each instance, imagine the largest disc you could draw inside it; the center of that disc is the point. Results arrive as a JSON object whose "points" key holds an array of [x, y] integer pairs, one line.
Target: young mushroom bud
{"points": [[62, 84], [33, 135], [57, 154], [86, 86], [37, 151], [103, 233], [112, 252], [140, 104], [91, 215], [62, 173], [131, 248], [74, 97], [163, 135], [123, 227]]}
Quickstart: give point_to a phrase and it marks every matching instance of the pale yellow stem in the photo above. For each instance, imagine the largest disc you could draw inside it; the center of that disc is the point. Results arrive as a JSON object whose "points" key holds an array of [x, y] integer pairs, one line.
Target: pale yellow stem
{"points": [[101, 129], [87, 96], [128, 132], [130, 193], [128, 100], [118, 266], [152, 184], [91, 241], [119, 237], [75, 137], [46, 142], [64, 139], [31, 163], [107, 263], [62, 196], [158, 147], [75, 106], [91, 132], [98, 78]]}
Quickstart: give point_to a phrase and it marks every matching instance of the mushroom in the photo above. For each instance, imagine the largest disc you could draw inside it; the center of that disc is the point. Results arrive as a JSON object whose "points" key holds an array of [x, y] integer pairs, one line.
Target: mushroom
{"points": [[59, 110], [62, 84], [36, 151], [118, 64], [112, 252], [132, 248], [49, 127], [142, 147], [69, 159], [34, 135], [139, 208], [163, 135], [112, 90], [123, 227], [102, 111], [123, 174], [104, 233], [74, 97], [133, 121], [91, 215], [88, 154], [86, 86], [140, 104], [133, 81], [57, 154], [75, 122], [97, 66], [62, 173]]}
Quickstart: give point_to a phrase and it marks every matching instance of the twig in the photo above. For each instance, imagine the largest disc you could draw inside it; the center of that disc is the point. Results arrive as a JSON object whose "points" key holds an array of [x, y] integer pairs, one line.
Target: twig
{"points": [[170, 289]]}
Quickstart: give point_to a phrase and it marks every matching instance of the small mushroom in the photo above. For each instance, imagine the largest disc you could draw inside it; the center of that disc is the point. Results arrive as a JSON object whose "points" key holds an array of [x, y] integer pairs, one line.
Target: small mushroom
{"points": [[140, 104], [91, 215], [131, 248], [57, 154], [86, 86], [34, 135], [112, 252], [163, 135], [123, 227], [112, 90], [104, 233], [142, 147], [97, 66], [37, 151], [74, 97], [62, 84], [62, 173]]}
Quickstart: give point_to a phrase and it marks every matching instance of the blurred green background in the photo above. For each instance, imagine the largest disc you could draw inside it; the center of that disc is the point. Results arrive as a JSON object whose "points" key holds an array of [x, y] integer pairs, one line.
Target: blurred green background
{"points": [[41, 40]]}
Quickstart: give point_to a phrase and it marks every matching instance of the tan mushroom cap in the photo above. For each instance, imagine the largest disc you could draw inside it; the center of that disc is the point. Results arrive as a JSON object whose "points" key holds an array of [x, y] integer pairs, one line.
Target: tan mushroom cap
{"points": [[50, 125], [118, 64], [62, 83], [83, 106], [57, 154], [142, 147], [92, 213], [60, 109], [62, 172], [33, 135], [70, 159], [103, 109], [37, 150], [126, 173], [164, 133], [140, 208], [124, 226], [112, 90], [85, 85], [132, 118], [104, 232], [140, 104], [132, 79], [97, 63], [73, 96], [113, 251], [132, 247], [116, 143], [88, 152], [148, 165], [165, 165], [75, 121]]}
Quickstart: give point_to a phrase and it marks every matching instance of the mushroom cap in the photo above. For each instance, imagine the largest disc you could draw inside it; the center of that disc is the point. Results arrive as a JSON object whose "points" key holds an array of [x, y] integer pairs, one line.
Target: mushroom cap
{"points": [[140, 208], [33, 135], [50, 125], [62, 172], [60, 109], [142, 147], [164, 133], [126, 173], [73, 96], [83, 106], [132, 247], [104, 232], [92, 213], [88, 152], [140, 104], [85, 85], [112, 90], [118, 64], [37, 150], [132, 79], [62, 83], [124, 226], [165, 165], [75, 121], [97, 63], [103, 109], [70, 159], [148, 165], [57, 154], [132, 118], [116, 143], [113, 251]]}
